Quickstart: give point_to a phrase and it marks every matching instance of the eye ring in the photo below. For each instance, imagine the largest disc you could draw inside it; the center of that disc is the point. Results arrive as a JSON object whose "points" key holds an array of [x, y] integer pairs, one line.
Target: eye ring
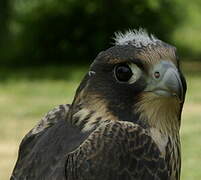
{"points": [[123, 72]]}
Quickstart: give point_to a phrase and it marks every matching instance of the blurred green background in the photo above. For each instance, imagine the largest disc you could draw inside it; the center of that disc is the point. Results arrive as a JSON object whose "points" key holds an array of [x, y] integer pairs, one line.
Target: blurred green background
{"points": [[46, 47]]}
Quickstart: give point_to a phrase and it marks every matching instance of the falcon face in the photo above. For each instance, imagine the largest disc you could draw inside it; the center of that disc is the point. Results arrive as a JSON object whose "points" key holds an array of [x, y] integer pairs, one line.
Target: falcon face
{"points": [[138, 77], [123, 123]]}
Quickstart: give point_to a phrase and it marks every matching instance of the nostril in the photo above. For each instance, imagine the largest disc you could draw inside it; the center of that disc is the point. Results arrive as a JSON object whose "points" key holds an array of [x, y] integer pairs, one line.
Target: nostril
{"points": [[157, 75]]}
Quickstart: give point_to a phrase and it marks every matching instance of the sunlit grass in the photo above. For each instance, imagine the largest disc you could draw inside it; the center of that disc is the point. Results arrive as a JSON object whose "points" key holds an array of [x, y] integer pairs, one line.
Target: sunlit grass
{"points": [[191, 124], [23, 101]]}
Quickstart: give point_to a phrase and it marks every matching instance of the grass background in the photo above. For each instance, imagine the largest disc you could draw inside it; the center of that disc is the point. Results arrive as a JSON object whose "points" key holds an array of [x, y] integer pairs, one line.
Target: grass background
{"points": [[27, 94]]}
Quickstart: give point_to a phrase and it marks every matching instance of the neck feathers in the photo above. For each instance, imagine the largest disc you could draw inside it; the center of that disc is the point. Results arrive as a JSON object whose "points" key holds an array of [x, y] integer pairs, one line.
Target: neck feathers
{"points": [[89, 114], [161, 113]]}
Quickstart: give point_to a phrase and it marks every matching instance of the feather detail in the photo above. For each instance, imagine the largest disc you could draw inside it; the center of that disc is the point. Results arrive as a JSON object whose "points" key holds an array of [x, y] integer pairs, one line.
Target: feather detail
{"points": [[137, 38]]}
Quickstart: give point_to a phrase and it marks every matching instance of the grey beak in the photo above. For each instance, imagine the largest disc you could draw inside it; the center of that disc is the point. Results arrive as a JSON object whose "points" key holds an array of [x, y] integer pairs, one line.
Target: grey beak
{"points": [[173, 83], [168, 83]]}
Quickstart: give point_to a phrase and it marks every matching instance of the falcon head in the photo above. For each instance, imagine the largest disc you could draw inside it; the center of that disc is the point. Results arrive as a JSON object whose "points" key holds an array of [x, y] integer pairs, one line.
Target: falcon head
{"points": [[137, 80]]}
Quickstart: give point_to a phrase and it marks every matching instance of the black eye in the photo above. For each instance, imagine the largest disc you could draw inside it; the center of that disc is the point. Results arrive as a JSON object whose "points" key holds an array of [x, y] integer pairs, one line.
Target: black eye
{"points": [[123, 72]]}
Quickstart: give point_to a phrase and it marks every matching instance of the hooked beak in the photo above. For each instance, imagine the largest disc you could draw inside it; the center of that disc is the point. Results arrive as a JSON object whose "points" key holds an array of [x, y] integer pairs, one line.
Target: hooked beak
{"points": [[166, 81]]}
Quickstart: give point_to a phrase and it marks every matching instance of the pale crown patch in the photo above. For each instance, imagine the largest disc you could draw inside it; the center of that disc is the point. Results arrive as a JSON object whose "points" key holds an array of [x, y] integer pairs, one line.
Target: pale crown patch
{"points": [[137, 38]]}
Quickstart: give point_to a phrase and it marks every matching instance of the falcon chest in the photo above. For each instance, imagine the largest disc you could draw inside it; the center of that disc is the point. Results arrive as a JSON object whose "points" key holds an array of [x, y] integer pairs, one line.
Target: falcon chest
{"points": [[169, 147]]}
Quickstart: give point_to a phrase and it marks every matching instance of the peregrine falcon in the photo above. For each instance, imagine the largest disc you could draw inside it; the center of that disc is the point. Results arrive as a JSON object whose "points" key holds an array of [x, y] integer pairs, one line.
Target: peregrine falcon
{"points": [[123, 123]]}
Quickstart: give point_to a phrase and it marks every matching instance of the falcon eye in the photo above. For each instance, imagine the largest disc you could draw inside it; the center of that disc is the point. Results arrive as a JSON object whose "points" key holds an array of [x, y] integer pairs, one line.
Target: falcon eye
{"points": [[123, 73]]}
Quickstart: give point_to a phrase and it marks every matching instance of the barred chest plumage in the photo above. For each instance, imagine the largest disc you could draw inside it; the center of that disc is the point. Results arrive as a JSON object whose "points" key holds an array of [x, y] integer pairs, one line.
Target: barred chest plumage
{"points": [[173, 158], [169, 146], [170, 150]]}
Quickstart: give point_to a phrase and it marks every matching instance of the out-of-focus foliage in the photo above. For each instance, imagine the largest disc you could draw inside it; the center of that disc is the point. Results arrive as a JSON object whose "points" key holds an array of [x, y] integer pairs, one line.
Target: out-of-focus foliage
{"points": [[187, 35], [74, 31], [71, 31], [4, 15]]}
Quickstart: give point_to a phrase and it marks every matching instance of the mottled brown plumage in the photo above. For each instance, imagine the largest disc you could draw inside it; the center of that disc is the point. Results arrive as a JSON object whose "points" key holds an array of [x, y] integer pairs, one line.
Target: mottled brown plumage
{"points": [[123, 123]]}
